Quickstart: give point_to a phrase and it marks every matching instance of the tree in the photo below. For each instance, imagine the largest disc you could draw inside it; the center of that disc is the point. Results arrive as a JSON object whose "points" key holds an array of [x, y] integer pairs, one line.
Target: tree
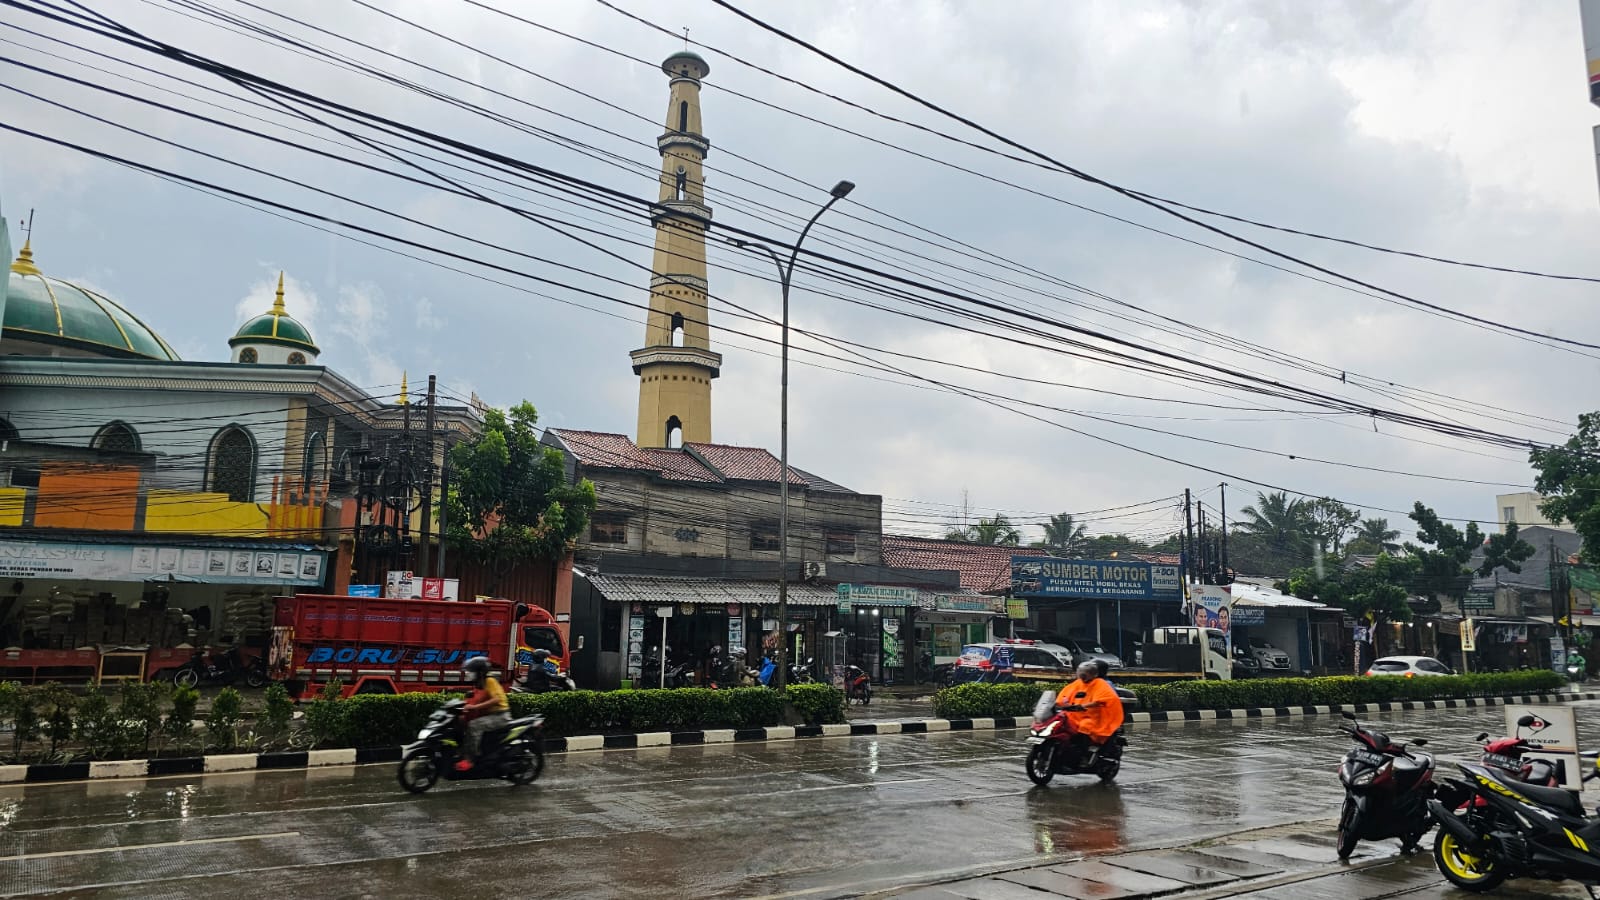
{"points": [[1276, 535], [1064, 535], [1376, 593], [1569, 479], [1329, 522], [1374, 536], [509, 497], [1443, 561], [997, 531]]}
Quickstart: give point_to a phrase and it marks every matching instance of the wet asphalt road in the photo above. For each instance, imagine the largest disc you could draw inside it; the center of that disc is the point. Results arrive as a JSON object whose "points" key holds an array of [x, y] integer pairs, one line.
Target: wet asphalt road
{"points": [[820, 817]]}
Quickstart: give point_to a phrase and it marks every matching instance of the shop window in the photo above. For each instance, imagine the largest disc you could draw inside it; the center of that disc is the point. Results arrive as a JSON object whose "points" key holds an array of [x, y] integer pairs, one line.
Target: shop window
{"points": [[248, 355], [231, 468], [608, 531], [116, 437], [764, 538], [841, 543]]}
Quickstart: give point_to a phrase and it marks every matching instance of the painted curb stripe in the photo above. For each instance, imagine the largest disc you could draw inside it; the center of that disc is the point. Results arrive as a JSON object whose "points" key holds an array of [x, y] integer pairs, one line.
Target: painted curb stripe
{"points": [[301, 759]]}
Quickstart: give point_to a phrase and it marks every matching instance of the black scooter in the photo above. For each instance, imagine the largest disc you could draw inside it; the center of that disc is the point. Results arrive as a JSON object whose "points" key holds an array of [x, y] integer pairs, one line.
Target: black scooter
{"points": [[1386, 790], [515, 753], [1513, 829], [206, 667]]}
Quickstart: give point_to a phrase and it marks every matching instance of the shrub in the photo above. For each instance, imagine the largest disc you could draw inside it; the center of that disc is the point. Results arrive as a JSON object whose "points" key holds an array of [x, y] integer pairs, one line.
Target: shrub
{"points": [[139, 712], [24, 716], [276, 709], [57, 721], [968, 701], [178, 730], [325, 715], [222, 724], [99, 727], [383, 720], [818, 704]]}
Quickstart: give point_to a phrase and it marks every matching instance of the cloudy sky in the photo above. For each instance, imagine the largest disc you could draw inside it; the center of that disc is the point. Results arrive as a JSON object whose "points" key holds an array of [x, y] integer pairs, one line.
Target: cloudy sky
{"points": [[1457, 130]]}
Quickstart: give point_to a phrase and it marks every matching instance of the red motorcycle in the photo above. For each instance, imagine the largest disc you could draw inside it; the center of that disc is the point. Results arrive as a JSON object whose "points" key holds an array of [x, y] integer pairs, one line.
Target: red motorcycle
{"points": [[857, 685], [1387, 789], [1505, 755], [1053, 750]]}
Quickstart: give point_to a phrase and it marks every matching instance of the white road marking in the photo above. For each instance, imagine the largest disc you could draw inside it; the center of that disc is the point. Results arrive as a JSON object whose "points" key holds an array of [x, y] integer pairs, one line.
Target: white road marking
{"points": [[93, 850]]}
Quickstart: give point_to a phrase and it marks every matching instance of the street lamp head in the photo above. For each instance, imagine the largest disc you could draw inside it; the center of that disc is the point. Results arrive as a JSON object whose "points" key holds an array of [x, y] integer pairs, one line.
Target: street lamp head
{"points": [[843, 189]]}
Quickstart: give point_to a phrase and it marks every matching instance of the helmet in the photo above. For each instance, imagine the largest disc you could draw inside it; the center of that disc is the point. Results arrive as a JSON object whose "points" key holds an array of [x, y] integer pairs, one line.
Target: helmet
{"points": [[738, 652], [540, 655], [477, 666]]}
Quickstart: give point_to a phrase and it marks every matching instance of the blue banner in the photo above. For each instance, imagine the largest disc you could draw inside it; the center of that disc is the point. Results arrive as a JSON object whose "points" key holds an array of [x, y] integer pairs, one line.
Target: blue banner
{"points": [[1093, 579]]}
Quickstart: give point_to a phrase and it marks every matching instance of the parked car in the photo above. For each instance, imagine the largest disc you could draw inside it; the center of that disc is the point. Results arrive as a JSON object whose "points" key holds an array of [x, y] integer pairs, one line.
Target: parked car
{"points": [[1270, 658], [1244, 664], [1409, 666], [1031, 660], [1084, 649]]}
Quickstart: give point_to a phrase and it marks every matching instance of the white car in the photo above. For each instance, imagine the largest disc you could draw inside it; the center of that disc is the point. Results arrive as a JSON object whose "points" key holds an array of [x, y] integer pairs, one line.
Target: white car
{"points": [[1409, 666]]}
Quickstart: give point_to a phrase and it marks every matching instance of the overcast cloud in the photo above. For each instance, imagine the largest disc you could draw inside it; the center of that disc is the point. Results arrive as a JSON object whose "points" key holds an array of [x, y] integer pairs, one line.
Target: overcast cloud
{"points": [[1454, 129]]}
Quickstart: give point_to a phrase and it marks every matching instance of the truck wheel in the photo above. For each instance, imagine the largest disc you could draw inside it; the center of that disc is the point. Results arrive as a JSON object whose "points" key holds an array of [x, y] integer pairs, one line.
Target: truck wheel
{"points": [[419, 770]]}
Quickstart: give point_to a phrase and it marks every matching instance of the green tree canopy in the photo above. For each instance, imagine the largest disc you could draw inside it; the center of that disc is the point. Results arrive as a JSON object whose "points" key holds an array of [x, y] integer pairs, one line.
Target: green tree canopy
{"points": [[509, 498], [1374, 536], [997, 531], [1376, 593], [1064, 535], [1446, 551], [1569, 479]]}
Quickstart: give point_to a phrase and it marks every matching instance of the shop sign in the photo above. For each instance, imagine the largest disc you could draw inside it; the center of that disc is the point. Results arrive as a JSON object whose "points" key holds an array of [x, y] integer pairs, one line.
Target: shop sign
{"points": [[893, 647], [1552, 735], [65, 560], [1043, 576], [965, 603], [1249, 615], [735, 631], [406, 586], [1478, 600], [365, 590], [875, 595], [1469, 636], [1165, 582], [1016, 608], [635, 646]]}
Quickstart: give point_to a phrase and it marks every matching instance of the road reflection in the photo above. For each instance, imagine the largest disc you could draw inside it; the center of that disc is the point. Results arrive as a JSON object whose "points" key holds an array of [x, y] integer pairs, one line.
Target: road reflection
{"points": [[1083, 817]]}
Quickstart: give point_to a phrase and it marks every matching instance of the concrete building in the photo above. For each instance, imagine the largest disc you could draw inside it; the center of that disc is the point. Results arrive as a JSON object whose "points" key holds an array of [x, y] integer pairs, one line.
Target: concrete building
{"points": [[1523, 509]]}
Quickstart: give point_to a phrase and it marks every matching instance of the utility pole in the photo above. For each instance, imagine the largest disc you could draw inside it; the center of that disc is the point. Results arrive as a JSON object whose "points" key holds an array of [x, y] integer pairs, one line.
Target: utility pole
{"points": [[427, 479], [403, 505], [1205, 567], [444, 508], [1224, 487], [1188, 537]]}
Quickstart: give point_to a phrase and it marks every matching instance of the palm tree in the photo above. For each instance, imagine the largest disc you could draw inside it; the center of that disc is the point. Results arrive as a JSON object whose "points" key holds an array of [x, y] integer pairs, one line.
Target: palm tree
{"points": [[964, 533], [997, 531], [1376, 534], [1064, 535], [1283, 525]]}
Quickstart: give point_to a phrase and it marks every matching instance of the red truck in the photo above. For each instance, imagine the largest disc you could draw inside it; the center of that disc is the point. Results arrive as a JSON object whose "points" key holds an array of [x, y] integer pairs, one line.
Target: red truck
{"points": [[377, 646]]}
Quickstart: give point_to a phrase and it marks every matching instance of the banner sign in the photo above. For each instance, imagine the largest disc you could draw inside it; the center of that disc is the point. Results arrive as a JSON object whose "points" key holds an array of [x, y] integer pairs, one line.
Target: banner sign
{"points": [[404, 585], [1043, 576], [876, 595], [1165, 582], [995, 606], [1478, 600], [1213, 608], [1249, 615], [1016, 607], [1469, 636], [64, 560]]}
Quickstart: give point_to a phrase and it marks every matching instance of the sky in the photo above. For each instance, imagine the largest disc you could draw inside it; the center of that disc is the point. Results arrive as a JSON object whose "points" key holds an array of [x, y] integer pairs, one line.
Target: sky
{"points": [[1448, 129]]}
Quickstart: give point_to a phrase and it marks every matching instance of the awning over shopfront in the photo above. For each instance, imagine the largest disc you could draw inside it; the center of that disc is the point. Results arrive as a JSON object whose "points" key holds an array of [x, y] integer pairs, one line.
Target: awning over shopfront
{"points": [[138, 559], [663, 590]]}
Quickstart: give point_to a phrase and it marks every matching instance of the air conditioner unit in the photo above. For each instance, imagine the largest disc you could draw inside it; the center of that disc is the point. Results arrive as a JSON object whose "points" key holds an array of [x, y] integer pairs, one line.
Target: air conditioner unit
{"points": [[815, 570]]}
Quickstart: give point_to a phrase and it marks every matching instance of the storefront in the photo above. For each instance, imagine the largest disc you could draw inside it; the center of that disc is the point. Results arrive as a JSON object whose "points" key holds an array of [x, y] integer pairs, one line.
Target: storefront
{"points": [[1113, 603], [945, 623], [1272, 621], [90, 609], [873, 627]]}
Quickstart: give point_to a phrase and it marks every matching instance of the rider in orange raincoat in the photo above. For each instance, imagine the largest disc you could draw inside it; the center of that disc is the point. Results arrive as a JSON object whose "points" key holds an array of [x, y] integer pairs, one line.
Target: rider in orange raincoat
{"points": [[1103, 715]]}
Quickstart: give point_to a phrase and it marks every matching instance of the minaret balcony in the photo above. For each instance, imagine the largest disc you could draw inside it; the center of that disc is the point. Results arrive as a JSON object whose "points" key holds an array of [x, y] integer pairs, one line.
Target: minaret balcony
{"points": [[680, 209], [678, 356], [688, 139]]}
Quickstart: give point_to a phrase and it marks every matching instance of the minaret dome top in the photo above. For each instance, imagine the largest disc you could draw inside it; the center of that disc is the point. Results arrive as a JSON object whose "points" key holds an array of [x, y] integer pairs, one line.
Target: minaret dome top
{"points": [[686, 64]]}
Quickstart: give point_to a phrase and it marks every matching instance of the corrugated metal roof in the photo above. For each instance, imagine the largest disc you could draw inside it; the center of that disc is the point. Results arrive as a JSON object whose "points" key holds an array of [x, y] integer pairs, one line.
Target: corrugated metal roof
{"points": [[1249, 595], [659, 590], [818, 483], [983, 567]]}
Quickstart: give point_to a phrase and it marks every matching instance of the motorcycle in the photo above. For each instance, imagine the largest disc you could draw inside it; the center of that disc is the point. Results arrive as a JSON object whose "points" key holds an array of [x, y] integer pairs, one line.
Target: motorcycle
{"points": [[206, 667], [544, 680], [1387, 789], [801, 673], [1505, 755], [515, 752], [857, 685], [680, 674], [1519, 830], [1053, 751]]}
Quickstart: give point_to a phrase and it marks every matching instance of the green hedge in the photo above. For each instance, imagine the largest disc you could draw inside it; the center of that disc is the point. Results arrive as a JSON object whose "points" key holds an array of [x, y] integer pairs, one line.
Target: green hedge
{"points": [[983, 700], [818, 704]]}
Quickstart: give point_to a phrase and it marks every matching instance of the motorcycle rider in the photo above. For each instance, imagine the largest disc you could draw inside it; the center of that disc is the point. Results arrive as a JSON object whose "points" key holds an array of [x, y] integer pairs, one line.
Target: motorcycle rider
{"points": [[538, 680], [487, 706], [1101, 715]]}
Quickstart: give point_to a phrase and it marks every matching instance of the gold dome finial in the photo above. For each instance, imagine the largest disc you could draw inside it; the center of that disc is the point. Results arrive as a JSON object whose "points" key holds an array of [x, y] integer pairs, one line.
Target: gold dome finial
{"points": [[405, 397], [277, 305], [24, 264]]}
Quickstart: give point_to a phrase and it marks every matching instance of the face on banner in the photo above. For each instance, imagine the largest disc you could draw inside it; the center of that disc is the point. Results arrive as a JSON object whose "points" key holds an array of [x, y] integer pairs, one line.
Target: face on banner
{"points": [[1212, 609]]}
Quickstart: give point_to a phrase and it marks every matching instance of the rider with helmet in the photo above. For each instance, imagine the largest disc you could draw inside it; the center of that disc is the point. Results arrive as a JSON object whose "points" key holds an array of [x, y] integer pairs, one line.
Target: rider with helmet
{"points": [[488, 708], [1100, 712], [538, 680]]}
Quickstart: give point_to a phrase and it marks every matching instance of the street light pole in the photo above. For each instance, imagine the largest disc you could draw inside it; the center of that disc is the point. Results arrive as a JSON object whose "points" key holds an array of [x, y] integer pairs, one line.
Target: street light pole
{"points": [[785, 273]]}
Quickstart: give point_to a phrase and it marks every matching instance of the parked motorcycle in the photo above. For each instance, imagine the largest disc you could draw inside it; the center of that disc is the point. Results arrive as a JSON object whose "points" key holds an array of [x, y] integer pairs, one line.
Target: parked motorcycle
{"points": [[857, 685], [544, 679], [800, 673], [1505, 755], [207, 667], [1518, 830], [1387, 789], [679, 674], [515, 752], [1053, 750]]}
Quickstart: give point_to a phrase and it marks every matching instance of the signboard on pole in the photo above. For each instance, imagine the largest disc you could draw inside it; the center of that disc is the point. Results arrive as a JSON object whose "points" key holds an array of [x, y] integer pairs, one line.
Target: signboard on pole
{"points": [[1553, 732], [1016, 607], [1469, 642], [1478, 600], [1094, 579]]}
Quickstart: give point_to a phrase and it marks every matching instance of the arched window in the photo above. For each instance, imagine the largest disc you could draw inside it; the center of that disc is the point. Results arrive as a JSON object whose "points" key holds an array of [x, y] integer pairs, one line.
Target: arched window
{"points": [[683, 186], [677, 329], [231, 468], [116, 437], [674, 433], [683, 115], [297, 358], [247, 355], [316, 463]]}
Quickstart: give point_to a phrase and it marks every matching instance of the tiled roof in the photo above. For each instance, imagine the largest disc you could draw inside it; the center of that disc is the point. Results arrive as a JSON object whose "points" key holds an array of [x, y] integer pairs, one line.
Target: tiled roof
{"points": [[603, 451], [677, 465], [818, 483], [666, 589], [983, 567], [743, 463]]}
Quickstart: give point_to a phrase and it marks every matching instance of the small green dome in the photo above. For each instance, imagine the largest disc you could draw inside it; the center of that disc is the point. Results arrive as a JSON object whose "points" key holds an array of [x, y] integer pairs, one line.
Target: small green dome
{"points": [[51, 311], [275, 327]]}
